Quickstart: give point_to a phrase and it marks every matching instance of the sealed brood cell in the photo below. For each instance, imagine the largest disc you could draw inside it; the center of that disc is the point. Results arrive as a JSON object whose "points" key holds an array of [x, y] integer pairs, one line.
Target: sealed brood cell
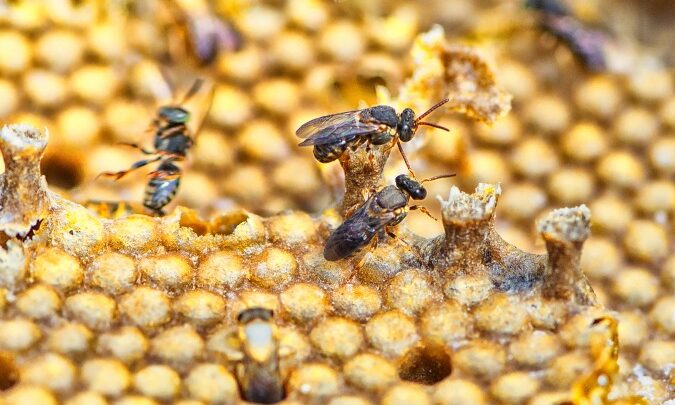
{"points": [[553, 101]]}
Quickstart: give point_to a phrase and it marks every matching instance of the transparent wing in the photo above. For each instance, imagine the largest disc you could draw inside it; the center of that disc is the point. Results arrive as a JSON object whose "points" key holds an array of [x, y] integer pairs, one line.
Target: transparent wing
{"points": [[331, 128], [356, 232], [318, 124], [201, 105]]}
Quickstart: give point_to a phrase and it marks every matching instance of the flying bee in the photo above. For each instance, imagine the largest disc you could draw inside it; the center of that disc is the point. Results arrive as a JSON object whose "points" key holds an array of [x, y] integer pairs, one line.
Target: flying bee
{"points": [[172, 141], [258, 372], [199, 33], [586, 44], [331, 135], [550, 7], [375, 217]]}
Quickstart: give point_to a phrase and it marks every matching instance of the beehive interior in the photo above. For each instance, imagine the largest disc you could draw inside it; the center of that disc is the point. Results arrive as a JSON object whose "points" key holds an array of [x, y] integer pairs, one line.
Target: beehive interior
{"points": [[491, 304]]}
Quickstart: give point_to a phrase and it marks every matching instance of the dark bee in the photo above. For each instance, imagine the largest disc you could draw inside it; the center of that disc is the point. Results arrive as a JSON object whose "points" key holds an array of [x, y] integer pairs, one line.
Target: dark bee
{"points": [[375, 217], [331, 135], [112, 209], [162, 186], [258, 372], [550, 7], [587, 45], [172, 141], [200, 33]]}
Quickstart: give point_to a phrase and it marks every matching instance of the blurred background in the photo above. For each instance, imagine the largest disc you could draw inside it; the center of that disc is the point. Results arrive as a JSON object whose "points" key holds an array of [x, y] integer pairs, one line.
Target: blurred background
{"points": [[580, 131], [592, 120]]}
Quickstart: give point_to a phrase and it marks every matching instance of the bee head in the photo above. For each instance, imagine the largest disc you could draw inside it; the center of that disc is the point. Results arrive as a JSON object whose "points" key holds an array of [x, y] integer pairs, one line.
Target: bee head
{"points": [[174, 115], [411, 187], [406, 125], [250, 314]]}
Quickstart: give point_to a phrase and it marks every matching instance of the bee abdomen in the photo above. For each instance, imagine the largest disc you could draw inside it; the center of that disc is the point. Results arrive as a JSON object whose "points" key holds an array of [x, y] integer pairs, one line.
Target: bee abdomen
{"points": [[159, 192], [333, 252], [329, 152], [263, 386]]}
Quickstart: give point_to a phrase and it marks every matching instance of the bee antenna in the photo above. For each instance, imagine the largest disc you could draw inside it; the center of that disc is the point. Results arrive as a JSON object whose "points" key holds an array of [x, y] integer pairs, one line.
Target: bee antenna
{"points": [[433, 125], [435, 106], [440, 176]]}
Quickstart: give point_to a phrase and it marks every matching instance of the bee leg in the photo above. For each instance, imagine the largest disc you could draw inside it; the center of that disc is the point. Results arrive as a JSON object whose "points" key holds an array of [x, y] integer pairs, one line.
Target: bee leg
{"points": [[122, 173], [392, 235], [424, 210], [394, 140], [161, 174], [372, 246], [367, 149], [157, 212], [137, 146], [344, 159], [405, 158]]}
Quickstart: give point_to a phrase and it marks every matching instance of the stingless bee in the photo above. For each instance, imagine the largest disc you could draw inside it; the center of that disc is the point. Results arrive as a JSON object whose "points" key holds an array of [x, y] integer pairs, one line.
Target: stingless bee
{"points": [[258, 372], [112, 209], [199, 34], [172, 141], [375, 217], [586, 44], [331, 135]]}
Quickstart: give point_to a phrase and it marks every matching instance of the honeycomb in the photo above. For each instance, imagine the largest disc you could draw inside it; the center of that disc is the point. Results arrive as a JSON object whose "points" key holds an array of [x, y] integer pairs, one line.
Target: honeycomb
{"points": [[120, 307]]}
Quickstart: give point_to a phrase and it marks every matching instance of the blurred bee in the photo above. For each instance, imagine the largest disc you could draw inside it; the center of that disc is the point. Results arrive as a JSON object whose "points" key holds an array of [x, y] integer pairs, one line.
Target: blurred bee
{"points": [[111, 209], [172, 141], [550, 7], [331, 135], [586, 44], [375, 217], [200, 33], [258, 372]]}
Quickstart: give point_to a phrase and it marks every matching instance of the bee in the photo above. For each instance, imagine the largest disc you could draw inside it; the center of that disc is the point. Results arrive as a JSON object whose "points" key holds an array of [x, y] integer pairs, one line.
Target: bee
{"points": [[375, 217], [200, 33], [111, 209], [550, 7], [331, 135], [258, 372], [587, 45], [172, 141]]}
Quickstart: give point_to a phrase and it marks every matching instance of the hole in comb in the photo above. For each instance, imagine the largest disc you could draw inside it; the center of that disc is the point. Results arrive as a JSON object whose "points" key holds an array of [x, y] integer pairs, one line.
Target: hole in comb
{"points": [[61, 172], [426, 364], [9, 372], [225, 224], [190, 219]]}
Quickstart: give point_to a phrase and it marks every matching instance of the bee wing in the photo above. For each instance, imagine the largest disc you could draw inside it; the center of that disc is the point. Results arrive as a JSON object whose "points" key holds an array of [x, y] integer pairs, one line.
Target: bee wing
{"points": [[587, 44], [202, 105], [331, 128], [355, 232]]}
